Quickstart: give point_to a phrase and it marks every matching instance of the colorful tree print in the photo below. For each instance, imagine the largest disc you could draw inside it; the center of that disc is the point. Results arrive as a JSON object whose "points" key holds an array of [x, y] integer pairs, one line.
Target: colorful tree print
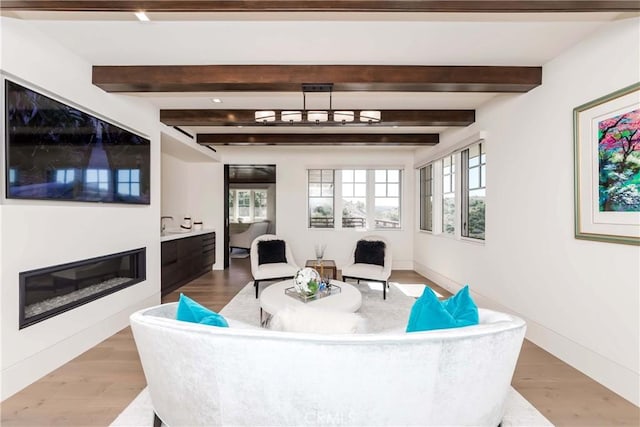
{"points": [[619, 157]]}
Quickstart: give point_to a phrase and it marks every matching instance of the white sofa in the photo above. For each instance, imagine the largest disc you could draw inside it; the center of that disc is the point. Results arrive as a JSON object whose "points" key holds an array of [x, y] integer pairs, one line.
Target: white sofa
{"points": [[201, 375], [243, 239]]}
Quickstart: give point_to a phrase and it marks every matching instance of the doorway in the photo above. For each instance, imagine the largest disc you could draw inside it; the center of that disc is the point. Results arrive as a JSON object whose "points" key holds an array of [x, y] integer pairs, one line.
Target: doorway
{"points": [[250, 197]]}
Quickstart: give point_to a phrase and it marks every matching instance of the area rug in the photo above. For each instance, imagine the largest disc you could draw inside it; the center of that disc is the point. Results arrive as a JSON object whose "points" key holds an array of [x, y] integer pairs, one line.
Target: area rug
{"points": [[380, 315], [414, 290], [239, 254]]}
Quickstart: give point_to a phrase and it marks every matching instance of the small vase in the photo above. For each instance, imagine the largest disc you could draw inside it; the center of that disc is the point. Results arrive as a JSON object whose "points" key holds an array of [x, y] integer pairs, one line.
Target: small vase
{"points": [[320, 247]]}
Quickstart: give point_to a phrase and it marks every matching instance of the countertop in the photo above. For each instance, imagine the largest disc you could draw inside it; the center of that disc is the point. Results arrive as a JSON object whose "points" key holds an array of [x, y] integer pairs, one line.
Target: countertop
{"points": [[180, 235]]}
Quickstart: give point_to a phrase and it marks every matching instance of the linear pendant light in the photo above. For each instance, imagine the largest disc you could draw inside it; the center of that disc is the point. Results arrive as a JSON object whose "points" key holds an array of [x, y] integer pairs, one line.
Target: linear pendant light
{"points": [[270, 117]]}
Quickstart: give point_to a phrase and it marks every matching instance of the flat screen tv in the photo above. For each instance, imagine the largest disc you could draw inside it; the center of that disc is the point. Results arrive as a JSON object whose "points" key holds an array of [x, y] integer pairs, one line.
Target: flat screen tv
{"points": [[57, 152]]}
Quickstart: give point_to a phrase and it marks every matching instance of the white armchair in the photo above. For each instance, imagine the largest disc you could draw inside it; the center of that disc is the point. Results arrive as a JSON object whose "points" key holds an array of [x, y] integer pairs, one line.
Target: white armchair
{"points": [[372, 272], [271, 270], [243, 239]]}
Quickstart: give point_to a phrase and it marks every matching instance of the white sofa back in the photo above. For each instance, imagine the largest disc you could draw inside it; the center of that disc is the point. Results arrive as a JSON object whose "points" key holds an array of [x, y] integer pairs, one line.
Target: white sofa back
{"points": [[204, 375]]}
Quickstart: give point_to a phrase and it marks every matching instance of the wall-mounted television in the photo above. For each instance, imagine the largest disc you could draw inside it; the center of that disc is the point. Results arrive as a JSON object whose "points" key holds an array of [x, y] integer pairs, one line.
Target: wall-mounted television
{"points": [[57, 152]]}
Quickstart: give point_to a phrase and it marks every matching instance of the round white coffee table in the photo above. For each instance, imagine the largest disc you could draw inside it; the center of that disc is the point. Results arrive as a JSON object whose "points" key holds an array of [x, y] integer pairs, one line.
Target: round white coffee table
{"points": [[273, 298]]}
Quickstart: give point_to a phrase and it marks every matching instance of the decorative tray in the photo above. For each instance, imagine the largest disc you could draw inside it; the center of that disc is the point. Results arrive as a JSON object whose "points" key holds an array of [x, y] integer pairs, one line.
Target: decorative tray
{"points": [[331, 290]]}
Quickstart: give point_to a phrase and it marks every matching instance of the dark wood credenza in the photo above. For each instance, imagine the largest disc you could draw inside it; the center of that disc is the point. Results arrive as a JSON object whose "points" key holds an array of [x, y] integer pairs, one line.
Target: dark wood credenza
{"points": [[185, 259]]}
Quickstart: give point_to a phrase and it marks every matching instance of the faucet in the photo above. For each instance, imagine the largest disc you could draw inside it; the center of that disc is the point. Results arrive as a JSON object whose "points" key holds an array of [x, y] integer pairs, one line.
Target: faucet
{"points": [[162, 224]]}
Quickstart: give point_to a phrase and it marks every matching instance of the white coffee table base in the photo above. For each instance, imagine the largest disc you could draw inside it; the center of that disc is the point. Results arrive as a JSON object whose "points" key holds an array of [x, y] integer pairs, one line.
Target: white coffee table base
{"points": [[273, 299]]}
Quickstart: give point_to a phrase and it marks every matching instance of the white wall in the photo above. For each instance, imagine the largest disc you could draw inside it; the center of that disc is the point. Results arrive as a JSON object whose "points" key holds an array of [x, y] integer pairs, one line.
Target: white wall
{"points": [[272, 208], [206, 201], [580, 298], [35, 234], [291, 196], [194, 189], [175, 189]]}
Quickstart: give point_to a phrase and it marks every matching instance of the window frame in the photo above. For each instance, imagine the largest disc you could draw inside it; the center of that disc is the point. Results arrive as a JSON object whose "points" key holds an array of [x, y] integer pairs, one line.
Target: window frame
{"points": [[466, 189], [370, 199], [234, 207], [332, 224], [423, 181], [461, 191], [353, 184], [453, 187], [386, 183], [254, 206]]}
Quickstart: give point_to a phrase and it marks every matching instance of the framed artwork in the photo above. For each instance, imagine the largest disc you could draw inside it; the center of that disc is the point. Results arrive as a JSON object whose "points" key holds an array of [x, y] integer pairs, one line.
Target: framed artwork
{"points": [[607, 167]]}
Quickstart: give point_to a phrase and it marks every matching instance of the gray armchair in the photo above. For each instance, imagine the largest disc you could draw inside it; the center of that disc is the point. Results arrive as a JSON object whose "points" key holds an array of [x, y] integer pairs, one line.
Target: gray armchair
{"points": [[243, 239]]}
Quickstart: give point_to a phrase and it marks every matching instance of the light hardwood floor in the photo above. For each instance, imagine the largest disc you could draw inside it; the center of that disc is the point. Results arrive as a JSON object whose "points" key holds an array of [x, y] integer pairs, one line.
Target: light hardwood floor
{"points": [[92, 389]]}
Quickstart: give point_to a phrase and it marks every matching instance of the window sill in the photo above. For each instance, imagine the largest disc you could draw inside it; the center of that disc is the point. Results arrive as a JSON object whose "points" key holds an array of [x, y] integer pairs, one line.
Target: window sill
{"points": [[455, 238], [472, 241], [357, 230]]}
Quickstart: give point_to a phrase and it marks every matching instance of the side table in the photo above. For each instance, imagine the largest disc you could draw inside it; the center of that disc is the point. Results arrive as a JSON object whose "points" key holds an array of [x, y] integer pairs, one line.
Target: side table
{"points": [[324, 265]]}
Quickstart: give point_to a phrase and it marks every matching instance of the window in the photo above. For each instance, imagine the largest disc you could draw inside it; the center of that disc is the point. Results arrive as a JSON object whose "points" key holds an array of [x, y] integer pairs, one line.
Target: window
{"points": [[455, 208], [260, 204], [65, 176], [13, 175], [474, 163], [367, 198], [321, 188], [426, 198], [128, 181], [387, 198], [248, 205], [97, 180], [354, 198], [244, 204], [449, 195]]}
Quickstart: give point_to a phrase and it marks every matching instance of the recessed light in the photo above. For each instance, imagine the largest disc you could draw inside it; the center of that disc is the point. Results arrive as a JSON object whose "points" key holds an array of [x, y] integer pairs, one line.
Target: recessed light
{"points": [[216, 100], [142, 16]]}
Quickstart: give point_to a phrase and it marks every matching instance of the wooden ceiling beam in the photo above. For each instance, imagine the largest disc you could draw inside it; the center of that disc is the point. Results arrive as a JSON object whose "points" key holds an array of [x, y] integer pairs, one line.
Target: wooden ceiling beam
{"points": [[464, 6], [318, 139], [247, 118], [288, 78]]}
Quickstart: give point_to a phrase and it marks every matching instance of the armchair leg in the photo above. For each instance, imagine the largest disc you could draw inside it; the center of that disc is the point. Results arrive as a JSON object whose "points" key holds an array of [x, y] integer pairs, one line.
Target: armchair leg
{"points": [[384, 290], [256, 284]]}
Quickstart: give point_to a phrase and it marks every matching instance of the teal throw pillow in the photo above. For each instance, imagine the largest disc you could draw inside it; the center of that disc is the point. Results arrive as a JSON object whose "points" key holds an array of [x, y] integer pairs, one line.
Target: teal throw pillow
{"points": [[430, 313], [191, 311]]}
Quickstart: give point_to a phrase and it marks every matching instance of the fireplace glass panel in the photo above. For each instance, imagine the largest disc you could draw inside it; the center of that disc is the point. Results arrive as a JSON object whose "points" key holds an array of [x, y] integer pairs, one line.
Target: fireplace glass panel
{"points": [[49, 291]]}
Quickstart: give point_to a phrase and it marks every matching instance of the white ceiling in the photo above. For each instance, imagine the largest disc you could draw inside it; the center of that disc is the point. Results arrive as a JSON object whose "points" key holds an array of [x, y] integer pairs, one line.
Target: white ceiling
{"points": [[313, 38]]}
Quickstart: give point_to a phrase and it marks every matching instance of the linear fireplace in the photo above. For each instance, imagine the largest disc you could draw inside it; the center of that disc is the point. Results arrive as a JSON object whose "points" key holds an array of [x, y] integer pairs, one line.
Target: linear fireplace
{"points": [[49, 291]]}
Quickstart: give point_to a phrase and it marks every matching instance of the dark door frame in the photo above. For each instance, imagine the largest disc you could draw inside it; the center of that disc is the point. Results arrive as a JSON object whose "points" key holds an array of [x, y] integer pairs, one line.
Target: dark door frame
{"points": [[226, 204], [226, 216]]}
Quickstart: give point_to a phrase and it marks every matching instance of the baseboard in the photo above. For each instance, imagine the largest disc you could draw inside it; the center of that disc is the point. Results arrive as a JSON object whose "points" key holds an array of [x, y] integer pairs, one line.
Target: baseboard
{"points": [[619, 379], [36, 366], [402, 265]]}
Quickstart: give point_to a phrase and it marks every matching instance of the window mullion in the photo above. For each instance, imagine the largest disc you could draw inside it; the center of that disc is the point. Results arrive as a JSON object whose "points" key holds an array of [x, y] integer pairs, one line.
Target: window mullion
{"points": [[464, 193], [371, 199], [251, 205], [458, 198], [437, 197], [235, 204], [337, 199]]}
